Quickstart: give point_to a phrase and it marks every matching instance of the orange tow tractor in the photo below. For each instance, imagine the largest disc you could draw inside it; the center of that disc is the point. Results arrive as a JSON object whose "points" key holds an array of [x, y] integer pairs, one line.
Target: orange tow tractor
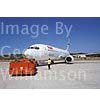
{"points": [[22, 67]]}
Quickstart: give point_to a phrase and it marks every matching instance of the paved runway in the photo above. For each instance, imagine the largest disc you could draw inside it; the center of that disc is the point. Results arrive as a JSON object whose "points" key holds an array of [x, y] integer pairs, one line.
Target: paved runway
{"points": [[80, 75]]}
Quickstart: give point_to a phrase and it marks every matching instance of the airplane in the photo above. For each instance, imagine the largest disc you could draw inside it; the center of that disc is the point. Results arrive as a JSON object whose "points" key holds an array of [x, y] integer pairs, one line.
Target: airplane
{"points": [[43, 52]]}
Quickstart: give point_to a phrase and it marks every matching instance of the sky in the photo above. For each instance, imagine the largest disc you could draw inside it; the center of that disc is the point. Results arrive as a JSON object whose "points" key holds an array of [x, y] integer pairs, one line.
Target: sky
{"points": [[84, 34]]}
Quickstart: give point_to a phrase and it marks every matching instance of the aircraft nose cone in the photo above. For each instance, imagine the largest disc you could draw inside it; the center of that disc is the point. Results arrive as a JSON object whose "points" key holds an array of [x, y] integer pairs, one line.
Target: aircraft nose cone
{"points": [[27, 53]]}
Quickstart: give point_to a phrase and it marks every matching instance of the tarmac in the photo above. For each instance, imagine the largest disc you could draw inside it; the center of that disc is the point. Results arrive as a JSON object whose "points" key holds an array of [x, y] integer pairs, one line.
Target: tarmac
{"points": [[80, 75]]}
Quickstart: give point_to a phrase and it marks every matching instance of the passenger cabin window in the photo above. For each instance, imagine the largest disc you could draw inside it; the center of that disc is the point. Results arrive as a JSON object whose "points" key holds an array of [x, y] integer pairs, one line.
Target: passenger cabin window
{"points": [[37, 48]]}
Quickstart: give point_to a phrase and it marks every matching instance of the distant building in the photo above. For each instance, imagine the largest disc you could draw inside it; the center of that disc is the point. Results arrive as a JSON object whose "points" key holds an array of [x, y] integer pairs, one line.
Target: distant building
{"points": [[81, 56]]}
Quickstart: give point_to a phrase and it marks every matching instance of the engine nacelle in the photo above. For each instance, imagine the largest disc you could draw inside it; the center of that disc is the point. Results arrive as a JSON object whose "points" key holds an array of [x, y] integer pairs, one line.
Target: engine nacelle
{"points": [[69, 59]]}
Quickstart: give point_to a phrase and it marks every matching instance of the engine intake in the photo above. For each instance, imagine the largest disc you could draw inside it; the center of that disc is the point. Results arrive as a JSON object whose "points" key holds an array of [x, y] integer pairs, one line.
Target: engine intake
{"points": [[69, 59]]}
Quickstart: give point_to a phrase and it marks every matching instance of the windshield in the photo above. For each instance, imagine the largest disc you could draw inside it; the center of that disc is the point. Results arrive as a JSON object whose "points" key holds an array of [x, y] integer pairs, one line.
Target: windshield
{"points": [[37, 48]]}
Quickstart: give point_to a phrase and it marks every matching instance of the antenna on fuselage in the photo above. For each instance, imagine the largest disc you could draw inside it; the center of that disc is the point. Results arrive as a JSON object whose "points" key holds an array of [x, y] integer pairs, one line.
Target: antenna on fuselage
{"points": [[68, 42]]}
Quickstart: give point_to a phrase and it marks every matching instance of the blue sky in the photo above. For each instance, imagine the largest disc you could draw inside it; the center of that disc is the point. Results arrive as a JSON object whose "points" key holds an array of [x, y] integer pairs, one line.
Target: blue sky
{"points": [[85, 34]]}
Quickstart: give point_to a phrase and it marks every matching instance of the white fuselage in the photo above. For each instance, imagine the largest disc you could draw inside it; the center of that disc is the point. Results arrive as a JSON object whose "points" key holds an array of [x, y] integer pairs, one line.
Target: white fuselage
{"points": [[43, 52]]}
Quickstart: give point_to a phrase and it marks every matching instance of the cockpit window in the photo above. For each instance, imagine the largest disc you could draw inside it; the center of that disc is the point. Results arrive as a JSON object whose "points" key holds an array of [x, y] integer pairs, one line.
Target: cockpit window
{"points": [[32, 48], [28, 48], [37, 48]]}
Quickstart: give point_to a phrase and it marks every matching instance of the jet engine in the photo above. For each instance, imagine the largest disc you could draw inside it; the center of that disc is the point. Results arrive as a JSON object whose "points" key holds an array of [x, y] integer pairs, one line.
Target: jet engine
{"points": [[69, 59]]}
